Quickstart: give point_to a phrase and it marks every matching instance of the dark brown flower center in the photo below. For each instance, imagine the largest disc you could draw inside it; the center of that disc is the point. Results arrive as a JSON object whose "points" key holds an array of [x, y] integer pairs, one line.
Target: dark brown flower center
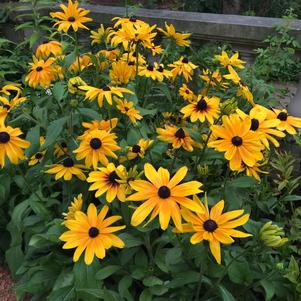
{"points": [[68, 162], [63, 145], [39, 69], [38, 156], [254, 124], [164, 192], [71, 19], [95, 143], [202, 105], [180, 133], [131, 63], [4, 137], [93, 232], [187, 91], [106, 88], [136, 148], [210, 225], [185, 60], [150, 68], [282, 116], [237, 141], [113, 177], [7, 107], [133, 19], [160, 69]]}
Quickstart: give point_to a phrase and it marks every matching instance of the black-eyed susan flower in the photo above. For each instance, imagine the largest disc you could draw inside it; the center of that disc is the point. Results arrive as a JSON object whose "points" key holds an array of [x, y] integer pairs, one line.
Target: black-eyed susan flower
{"points": [[178, 137], [245, 92], [233, 76], [95, 147], [101, 35], [127, 108], [81, 63], [41, 73], [163, 196], [254, 171], [262, 125], [105, 180], [75, 206], [105, 125], [11, 104], [226, 61], [214, 78], [11, 145], [204, 108], [138, 150], [60, 149], [106, 92], [238, 141], [67, 169], [287, 123], [39, 156], [214, 226], [154, 71], [91, 233], [121, 73], [72, 16], [187, 94], [183, 67], [3, 115], [180, 39], [49, 48], [74, 83], [12, 90]]}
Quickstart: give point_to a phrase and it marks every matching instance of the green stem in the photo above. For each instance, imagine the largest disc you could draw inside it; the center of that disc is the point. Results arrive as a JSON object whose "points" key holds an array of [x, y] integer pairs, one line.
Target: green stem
{"points": [[165, 52], [77, 52]]}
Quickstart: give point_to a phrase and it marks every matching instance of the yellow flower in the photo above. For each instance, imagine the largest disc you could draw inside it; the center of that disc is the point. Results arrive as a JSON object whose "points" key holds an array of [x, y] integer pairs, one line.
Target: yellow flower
{"points": [[76, 205], [41, 73], [183, 66], [180, 39], [105, 125], [12, 89], [177, 136], [72, 16], [232, 61], [162, 196], [138, 150], [287, 123], [154, 71], [121, 73], [74, 83], [11, 104], [91, 233], [67, 169], [49, 48], [187, 94], [253, 171], [60, 149], [11, 145], [100, 35], [246, 94], [262, 125], [272, 235], [238, 141], [80, 64], [39, 156], [233, 76], [214, 226], [127, 108], [95, 146], [213, 78], [203, 108], [106, 92], [105, 180]]}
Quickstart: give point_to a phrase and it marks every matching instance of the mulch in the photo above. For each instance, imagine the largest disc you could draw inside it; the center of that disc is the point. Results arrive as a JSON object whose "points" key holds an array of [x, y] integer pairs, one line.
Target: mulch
{"points": [[6, 284]]}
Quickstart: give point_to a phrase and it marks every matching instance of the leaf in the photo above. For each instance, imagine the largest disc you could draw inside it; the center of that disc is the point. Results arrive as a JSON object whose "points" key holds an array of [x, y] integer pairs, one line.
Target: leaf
{"points": [[292, 198], [243, 182], [184, 278], [53, 131], [152, 280], [173, 256], [225, 294], [14, 258], [66, 293], [123, 288], [107, 272], [33, 136], [34, 38], [92, 292], [59, 90], [239, 272], [69, 59], [146, 296], [130, 240], [133, 136], [269, 289], [89, 113]]}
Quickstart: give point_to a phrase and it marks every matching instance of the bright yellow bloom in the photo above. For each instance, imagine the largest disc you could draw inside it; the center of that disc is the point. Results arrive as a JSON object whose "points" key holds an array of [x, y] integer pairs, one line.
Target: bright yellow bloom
{"points": [[183, 67], [74, 83], [203, 108], [138, 150], [232, 61], [95, 146], [238, 141], [214, 78], [162, 196], [76, 205], [12, 90], [105, 180], [127, 108], [187, 94], [287, 123], [60, 149], [180, 39], [11, 145], [105, 125], [39, 156], [41, 73], [49, 48], [177, 136], [154, 71], [100, 35], [121, 73], [233, 76], [214, 226], [262, 125], [67, 169], [272, 235], [72, 16], [105, 92], [11, 104], [253, 171], [245, 92], [80, 64], [91, 233]]}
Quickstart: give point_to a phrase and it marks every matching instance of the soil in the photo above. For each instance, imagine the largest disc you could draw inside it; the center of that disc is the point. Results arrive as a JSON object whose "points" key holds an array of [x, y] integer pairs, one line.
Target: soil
{"points": [[6, 284]]}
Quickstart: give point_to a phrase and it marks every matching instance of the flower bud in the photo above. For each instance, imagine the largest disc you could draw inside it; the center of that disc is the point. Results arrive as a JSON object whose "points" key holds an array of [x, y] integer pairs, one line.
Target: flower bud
{"points": [[272, 235], [229, 106]]}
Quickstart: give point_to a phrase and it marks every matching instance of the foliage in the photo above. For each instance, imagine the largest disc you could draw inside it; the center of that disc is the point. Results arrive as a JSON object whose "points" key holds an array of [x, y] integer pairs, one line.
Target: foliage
{"points": [[155, 263]]}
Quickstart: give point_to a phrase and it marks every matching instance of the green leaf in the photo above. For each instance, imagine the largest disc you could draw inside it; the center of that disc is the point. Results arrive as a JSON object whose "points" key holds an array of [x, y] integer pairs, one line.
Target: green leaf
{"points": [[123, 288], [243, 182], [130, 240], [107, 271], [184, 278], [269, 289], [152, 280], [91, 292], [133, 136], [53, 131], [294, 271], [14, 258], [225, 294], [173, 256], [292, 198], [239, 272], [33, 136], [69, 59], [66, 293], [146, 295], [59, 90], [89, 113]]}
